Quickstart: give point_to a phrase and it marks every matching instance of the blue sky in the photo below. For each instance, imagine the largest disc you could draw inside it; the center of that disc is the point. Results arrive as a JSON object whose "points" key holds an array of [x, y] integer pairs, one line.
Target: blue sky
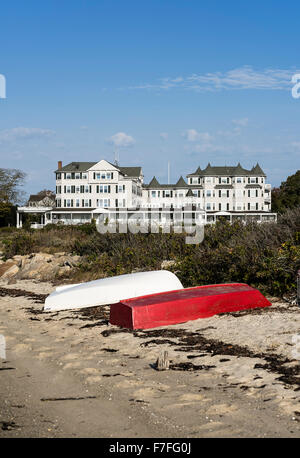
{"points": [[187, 81]]}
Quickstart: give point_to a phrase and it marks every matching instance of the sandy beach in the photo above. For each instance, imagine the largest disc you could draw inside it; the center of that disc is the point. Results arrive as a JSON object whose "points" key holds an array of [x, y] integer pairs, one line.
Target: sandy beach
{"points": [[72, 374]]}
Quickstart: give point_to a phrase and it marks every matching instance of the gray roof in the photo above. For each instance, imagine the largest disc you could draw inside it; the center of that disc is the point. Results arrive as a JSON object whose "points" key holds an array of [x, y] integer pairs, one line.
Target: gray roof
{"points": [[76, 167], [84, 166], [154, 184], [41, 196], [237, 171], [130, 171]]}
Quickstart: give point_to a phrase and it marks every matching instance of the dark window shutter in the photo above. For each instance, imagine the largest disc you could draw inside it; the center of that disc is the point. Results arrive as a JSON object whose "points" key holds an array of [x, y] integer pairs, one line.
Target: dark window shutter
{"points": [[109, 188], [116, 188], [112, 175]]}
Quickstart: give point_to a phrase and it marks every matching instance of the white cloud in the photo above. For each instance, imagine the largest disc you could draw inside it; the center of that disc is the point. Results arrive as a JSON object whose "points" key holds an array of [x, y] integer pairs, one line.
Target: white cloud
{"points": [[243, 122], [19, 133], [192, 135], [164, 135], [239, 78], [122, 140], [295, 146]]}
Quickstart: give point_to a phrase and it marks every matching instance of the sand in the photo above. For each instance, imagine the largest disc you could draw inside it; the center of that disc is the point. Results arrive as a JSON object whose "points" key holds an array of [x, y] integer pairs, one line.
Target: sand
{"points": [[232, 375]]}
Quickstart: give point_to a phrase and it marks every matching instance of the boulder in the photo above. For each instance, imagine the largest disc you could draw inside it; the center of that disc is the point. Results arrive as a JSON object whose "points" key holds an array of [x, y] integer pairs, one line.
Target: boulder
{"points": [[6, 266], [11, 269], [39, 266]]}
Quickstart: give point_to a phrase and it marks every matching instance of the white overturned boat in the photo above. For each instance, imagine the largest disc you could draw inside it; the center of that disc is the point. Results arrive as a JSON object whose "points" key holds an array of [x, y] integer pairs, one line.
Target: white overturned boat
{"points": [[111, 290]]}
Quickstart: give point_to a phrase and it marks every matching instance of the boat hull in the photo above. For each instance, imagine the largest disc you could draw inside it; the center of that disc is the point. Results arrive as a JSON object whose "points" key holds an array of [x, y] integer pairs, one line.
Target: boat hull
{"points": [[111, 290], [185, 305]]}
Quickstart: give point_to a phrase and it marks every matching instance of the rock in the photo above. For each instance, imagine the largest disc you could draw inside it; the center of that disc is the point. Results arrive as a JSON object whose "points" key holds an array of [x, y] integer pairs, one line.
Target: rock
{"points": [[11, 271], [167, 264], [62, 271], [39, 266], [7, 268]]}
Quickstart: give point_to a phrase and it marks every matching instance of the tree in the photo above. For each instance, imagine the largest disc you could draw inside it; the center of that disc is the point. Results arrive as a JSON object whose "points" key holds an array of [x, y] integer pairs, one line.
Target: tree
{"points": [[287, 195], [10, 193]]}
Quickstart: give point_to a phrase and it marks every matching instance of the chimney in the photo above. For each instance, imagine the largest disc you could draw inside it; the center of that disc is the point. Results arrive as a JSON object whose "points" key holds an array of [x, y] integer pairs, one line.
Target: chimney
{"points": [[59, 165]]}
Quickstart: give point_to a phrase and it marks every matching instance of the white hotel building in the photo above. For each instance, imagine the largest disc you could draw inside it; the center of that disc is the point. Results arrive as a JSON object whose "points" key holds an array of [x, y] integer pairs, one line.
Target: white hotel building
{"points": [[85, 190]]}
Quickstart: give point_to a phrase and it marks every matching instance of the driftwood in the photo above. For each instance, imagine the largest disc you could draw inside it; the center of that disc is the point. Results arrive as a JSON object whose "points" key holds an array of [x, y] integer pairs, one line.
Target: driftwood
{"points": [[162, 363]]}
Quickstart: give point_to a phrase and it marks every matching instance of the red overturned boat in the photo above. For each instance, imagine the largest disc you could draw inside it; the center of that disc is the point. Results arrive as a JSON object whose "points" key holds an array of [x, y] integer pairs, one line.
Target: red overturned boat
{"points": [[183, 305]]}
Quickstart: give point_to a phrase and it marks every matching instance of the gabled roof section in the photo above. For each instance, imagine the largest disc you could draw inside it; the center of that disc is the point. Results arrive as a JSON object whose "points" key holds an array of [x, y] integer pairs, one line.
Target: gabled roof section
{"points": [[131, 171], [189, 193], [181, 183], [257, 170], [103, 165], [237, 171], [153, 183], [196, 173], [76, 167], [100, 165]]}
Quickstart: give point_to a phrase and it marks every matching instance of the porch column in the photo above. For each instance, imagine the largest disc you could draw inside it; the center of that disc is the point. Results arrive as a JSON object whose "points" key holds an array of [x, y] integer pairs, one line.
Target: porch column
{"points": [[18, 219]]}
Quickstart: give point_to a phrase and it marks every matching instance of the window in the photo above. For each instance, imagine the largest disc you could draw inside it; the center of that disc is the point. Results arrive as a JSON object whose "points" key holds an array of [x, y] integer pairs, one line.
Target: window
{"points": [[84, 176], [153, 193], [195, 180], [238, 179], [208, 193], [103, 203], [58, 176], [77, 203], [208, 180], [86, 202], [68, 189], [77, 176], [223, 180], [208, 206], [103, 188], [68, 176], [77, 189]]}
